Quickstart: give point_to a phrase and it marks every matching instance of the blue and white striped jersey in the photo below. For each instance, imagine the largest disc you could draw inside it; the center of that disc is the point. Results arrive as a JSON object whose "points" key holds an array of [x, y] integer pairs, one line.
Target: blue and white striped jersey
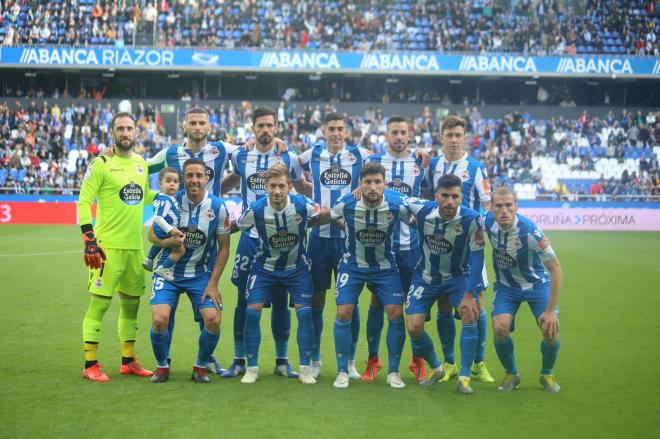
{"points": [[201, 224], [251, 166], [405, 176], [214, 154], [476, 187], [518, 252], [167, 212], [446, 244], [332, 176], [369, 230], [282, 233]]}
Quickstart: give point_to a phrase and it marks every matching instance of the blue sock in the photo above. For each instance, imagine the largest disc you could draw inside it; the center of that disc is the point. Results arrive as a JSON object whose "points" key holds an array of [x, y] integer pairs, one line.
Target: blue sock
{"points": [[375, 323], [342, 343], [482, 327], [317, 321], [280, 323], [504, 351], [239, 325], [170, 331], [252, 336], [396, 338], [447, 333], [355, 331], [207, 343], [169, 262], [423, 347], [159, 345], [305, 334], [153, 253], [468, 347], [548, 356]]}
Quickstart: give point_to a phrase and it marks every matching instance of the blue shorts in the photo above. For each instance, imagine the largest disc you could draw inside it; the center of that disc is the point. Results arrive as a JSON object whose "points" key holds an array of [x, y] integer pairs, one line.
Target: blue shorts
{"points": [[507, 300], [422, 294], [247, 248], [483, 282], [160, 233], [324, 255], [262, 283], [167, 293], [407, 261], [386, 285]]}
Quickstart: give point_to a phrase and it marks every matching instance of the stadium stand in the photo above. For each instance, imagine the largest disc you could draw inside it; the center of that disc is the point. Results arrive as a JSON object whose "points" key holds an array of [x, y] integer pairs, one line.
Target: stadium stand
{"points": [[46, 149], [541, 27]]}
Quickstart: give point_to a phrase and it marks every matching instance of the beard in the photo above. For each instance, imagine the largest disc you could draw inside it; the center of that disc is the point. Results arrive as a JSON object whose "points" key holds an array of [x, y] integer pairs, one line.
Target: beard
{"points": [[265, 139], [125, 145]]}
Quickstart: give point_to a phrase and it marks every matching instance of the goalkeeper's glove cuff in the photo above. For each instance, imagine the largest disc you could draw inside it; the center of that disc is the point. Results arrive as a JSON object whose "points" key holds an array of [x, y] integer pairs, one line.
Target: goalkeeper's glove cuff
{"points": [[86, 228]]}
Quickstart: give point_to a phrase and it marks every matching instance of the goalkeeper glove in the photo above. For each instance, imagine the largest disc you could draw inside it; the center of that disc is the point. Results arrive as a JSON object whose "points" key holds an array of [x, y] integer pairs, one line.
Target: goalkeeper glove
{"points": [[94, 255]]}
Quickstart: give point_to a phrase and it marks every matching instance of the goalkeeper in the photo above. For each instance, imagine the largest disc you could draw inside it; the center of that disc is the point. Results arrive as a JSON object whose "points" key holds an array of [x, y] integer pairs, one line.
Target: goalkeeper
{"points": [[113, 247]]}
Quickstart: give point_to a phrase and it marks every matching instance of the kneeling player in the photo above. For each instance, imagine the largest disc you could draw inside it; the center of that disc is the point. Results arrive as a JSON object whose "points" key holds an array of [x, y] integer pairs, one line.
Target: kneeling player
{"points": [[520, 252], [452, 257], [280, 220], [205, 222]]}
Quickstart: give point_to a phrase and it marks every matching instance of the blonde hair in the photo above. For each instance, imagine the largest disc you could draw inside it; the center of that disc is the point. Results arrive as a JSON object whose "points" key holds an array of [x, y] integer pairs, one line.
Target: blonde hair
{"points": [[278, 170], [503, 191]]}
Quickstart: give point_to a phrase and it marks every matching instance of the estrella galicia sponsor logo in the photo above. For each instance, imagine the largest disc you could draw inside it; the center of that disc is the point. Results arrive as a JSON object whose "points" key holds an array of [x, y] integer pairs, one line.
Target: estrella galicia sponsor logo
{"points": [[131, 194], [604, 66], [335, 178], [300, 60], [396, 61], [283, 240], [497, 64], [257, 182], [438, 244], [504, 260], [195, 238], [371, 236], [398, 185], [210, 173]]}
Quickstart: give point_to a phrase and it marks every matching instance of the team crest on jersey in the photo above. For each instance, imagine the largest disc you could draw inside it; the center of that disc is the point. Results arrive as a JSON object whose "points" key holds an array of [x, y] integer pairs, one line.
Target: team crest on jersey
{"points": [[139, 169], [479, 238], [211, 214], [350, 158], [88, 173], [415, 170], [458, 229], [297, 218], [98, 283], [465, 176], [390, 217], [517, 243], [215, 152], [131, 194]]}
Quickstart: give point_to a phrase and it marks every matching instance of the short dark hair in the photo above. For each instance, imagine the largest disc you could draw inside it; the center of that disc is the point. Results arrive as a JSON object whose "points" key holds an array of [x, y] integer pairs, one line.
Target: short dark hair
{"points": [[333, 116], [452, 121], [196, 110], [193, 162], [372, 168], [396, 119], [166, 170], [448, 181], [121, 114], [263, 111]]}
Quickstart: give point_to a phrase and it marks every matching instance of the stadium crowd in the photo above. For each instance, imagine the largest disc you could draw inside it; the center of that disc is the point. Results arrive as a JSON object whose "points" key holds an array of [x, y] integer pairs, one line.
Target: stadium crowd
{"points": [[534, 27], [46, 149]]}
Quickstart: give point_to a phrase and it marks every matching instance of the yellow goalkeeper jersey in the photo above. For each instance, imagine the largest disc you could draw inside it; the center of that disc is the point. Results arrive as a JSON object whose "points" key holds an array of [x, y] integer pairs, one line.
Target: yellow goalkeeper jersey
{"points": [[121, 187]]}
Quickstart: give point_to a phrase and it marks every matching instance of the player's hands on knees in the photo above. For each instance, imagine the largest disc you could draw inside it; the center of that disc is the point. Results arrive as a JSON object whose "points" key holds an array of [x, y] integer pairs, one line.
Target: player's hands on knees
{"points": [[468, 308], [213, 293], [549, 324], [94, 256]]}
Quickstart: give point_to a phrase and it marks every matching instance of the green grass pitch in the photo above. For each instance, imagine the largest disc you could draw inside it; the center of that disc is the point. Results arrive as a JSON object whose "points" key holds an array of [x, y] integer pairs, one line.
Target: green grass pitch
{"points": [[608, 363]]}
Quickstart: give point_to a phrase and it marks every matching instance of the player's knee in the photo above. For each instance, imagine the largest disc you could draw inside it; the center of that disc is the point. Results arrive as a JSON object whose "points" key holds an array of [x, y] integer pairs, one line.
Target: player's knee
{"points": [[212, 320], [467, 316], [345, 313], [415, 329], [501, 329], [160, 321], [394, 312]]}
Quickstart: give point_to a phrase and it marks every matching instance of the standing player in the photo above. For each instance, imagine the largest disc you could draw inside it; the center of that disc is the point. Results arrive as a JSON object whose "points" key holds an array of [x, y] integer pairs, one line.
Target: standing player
{"points": [[476, 195], [120, 187], [250, 171], [205, 220], [370, 224], [452, 243], [404, 174], [520, 253], [333, 168], [280, 219]]}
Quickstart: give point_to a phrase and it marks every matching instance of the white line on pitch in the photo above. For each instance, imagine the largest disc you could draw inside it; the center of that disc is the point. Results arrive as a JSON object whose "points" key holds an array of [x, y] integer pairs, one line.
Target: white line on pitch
{"points": [[11, 255]]}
